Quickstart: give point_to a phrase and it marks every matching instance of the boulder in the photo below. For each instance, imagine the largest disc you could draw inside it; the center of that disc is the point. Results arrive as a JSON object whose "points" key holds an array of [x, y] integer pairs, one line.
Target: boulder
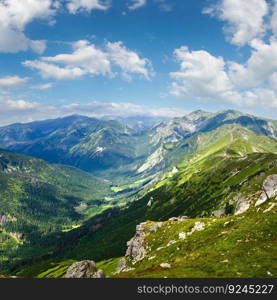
{"points": [[270, 185], [242, 206], [84, 269], [270, 189], [219, 213]]}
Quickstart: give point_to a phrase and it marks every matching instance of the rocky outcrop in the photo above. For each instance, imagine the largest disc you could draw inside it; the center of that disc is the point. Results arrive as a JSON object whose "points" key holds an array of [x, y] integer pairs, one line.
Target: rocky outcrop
{"points": [[137, 248], [269, 189], [198, 226], [84, 269]]}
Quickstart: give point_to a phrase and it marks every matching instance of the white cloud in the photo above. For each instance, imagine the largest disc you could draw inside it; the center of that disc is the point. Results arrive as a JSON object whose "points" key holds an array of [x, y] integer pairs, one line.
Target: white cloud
{"points": [[201, 75], [128, 61], [12, 81], [245, 19], [86, 58], [76, 6], [258, 68], [14, 16], [44, 86], [136, 4], [9, 105], [47, 70], [265, 98], [12, 111]]}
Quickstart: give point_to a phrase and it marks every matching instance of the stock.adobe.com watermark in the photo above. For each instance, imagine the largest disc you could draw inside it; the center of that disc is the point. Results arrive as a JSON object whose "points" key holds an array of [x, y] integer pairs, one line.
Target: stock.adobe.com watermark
{"points": [[190, 289]]}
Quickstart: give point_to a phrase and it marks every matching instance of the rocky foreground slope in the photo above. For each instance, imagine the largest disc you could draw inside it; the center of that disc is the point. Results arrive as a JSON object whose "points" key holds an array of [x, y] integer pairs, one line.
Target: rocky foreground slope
{"points": [[239, 245], [242, 245], [223, 184]]}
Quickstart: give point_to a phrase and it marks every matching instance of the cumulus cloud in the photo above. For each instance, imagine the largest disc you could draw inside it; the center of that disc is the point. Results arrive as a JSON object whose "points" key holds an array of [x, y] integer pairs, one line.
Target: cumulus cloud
{"points": [[245, 19], [135, 4], [206, 77], [47, 70], [14, 16], [86, 58], [76, 6], [12, 111], [261, 65], [252, 83], [201, 75], [12, 81], [128, 61]]}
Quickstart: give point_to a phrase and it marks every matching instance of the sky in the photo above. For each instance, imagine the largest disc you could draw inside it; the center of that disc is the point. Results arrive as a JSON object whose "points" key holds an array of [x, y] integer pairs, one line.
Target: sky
{"points": [[136, 57]]}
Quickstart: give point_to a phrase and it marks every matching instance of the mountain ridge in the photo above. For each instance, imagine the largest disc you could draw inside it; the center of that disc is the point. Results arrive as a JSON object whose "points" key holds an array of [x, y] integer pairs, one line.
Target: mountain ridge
{"points": [[203, 166]]}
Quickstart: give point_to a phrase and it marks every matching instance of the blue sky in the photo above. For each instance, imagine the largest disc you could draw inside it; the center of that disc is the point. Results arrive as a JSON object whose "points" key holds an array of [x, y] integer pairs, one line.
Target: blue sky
{"points": [[128, 57]]}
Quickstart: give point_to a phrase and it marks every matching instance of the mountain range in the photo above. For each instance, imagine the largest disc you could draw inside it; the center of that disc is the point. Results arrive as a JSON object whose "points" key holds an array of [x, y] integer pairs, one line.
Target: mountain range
{"points": [[182, 191]]}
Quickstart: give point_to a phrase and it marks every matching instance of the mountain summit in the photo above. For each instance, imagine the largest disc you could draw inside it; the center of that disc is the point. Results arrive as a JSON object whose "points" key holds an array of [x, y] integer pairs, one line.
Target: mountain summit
{"points": [[168, 190]]}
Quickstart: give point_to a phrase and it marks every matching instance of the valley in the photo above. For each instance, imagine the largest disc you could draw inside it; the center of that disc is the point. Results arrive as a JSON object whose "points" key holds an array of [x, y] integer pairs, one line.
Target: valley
{"points": [[77, 188]]}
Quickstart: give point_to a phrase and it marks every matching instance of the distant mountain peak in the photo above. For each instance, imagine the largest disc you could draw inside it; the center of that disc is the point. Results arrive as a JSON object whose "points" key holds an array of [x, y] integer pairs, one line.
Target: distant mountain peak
{"points": [[232, 111], [199, 112]]}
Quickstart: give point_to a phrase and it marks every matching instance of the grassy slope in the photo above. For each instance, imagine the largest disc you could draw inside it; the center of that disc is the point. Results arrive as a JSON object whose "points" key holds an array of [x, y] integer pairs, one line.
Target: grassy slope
{"points": [[236, 246], [38, 199], [205, 181], [232, 246], [24, 179]]}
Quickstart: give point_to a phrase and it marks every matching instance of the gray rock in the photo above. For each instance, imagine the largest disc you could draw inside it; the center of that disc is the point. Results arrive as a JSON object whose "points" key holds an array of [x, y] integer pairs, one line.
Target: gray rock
{"points": [[198, 226], [155, 227], [270, 185], [84, 269], [242, 206], [219, 213], [121, 265], [100, 274], [270, 189], [136, 247]]}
